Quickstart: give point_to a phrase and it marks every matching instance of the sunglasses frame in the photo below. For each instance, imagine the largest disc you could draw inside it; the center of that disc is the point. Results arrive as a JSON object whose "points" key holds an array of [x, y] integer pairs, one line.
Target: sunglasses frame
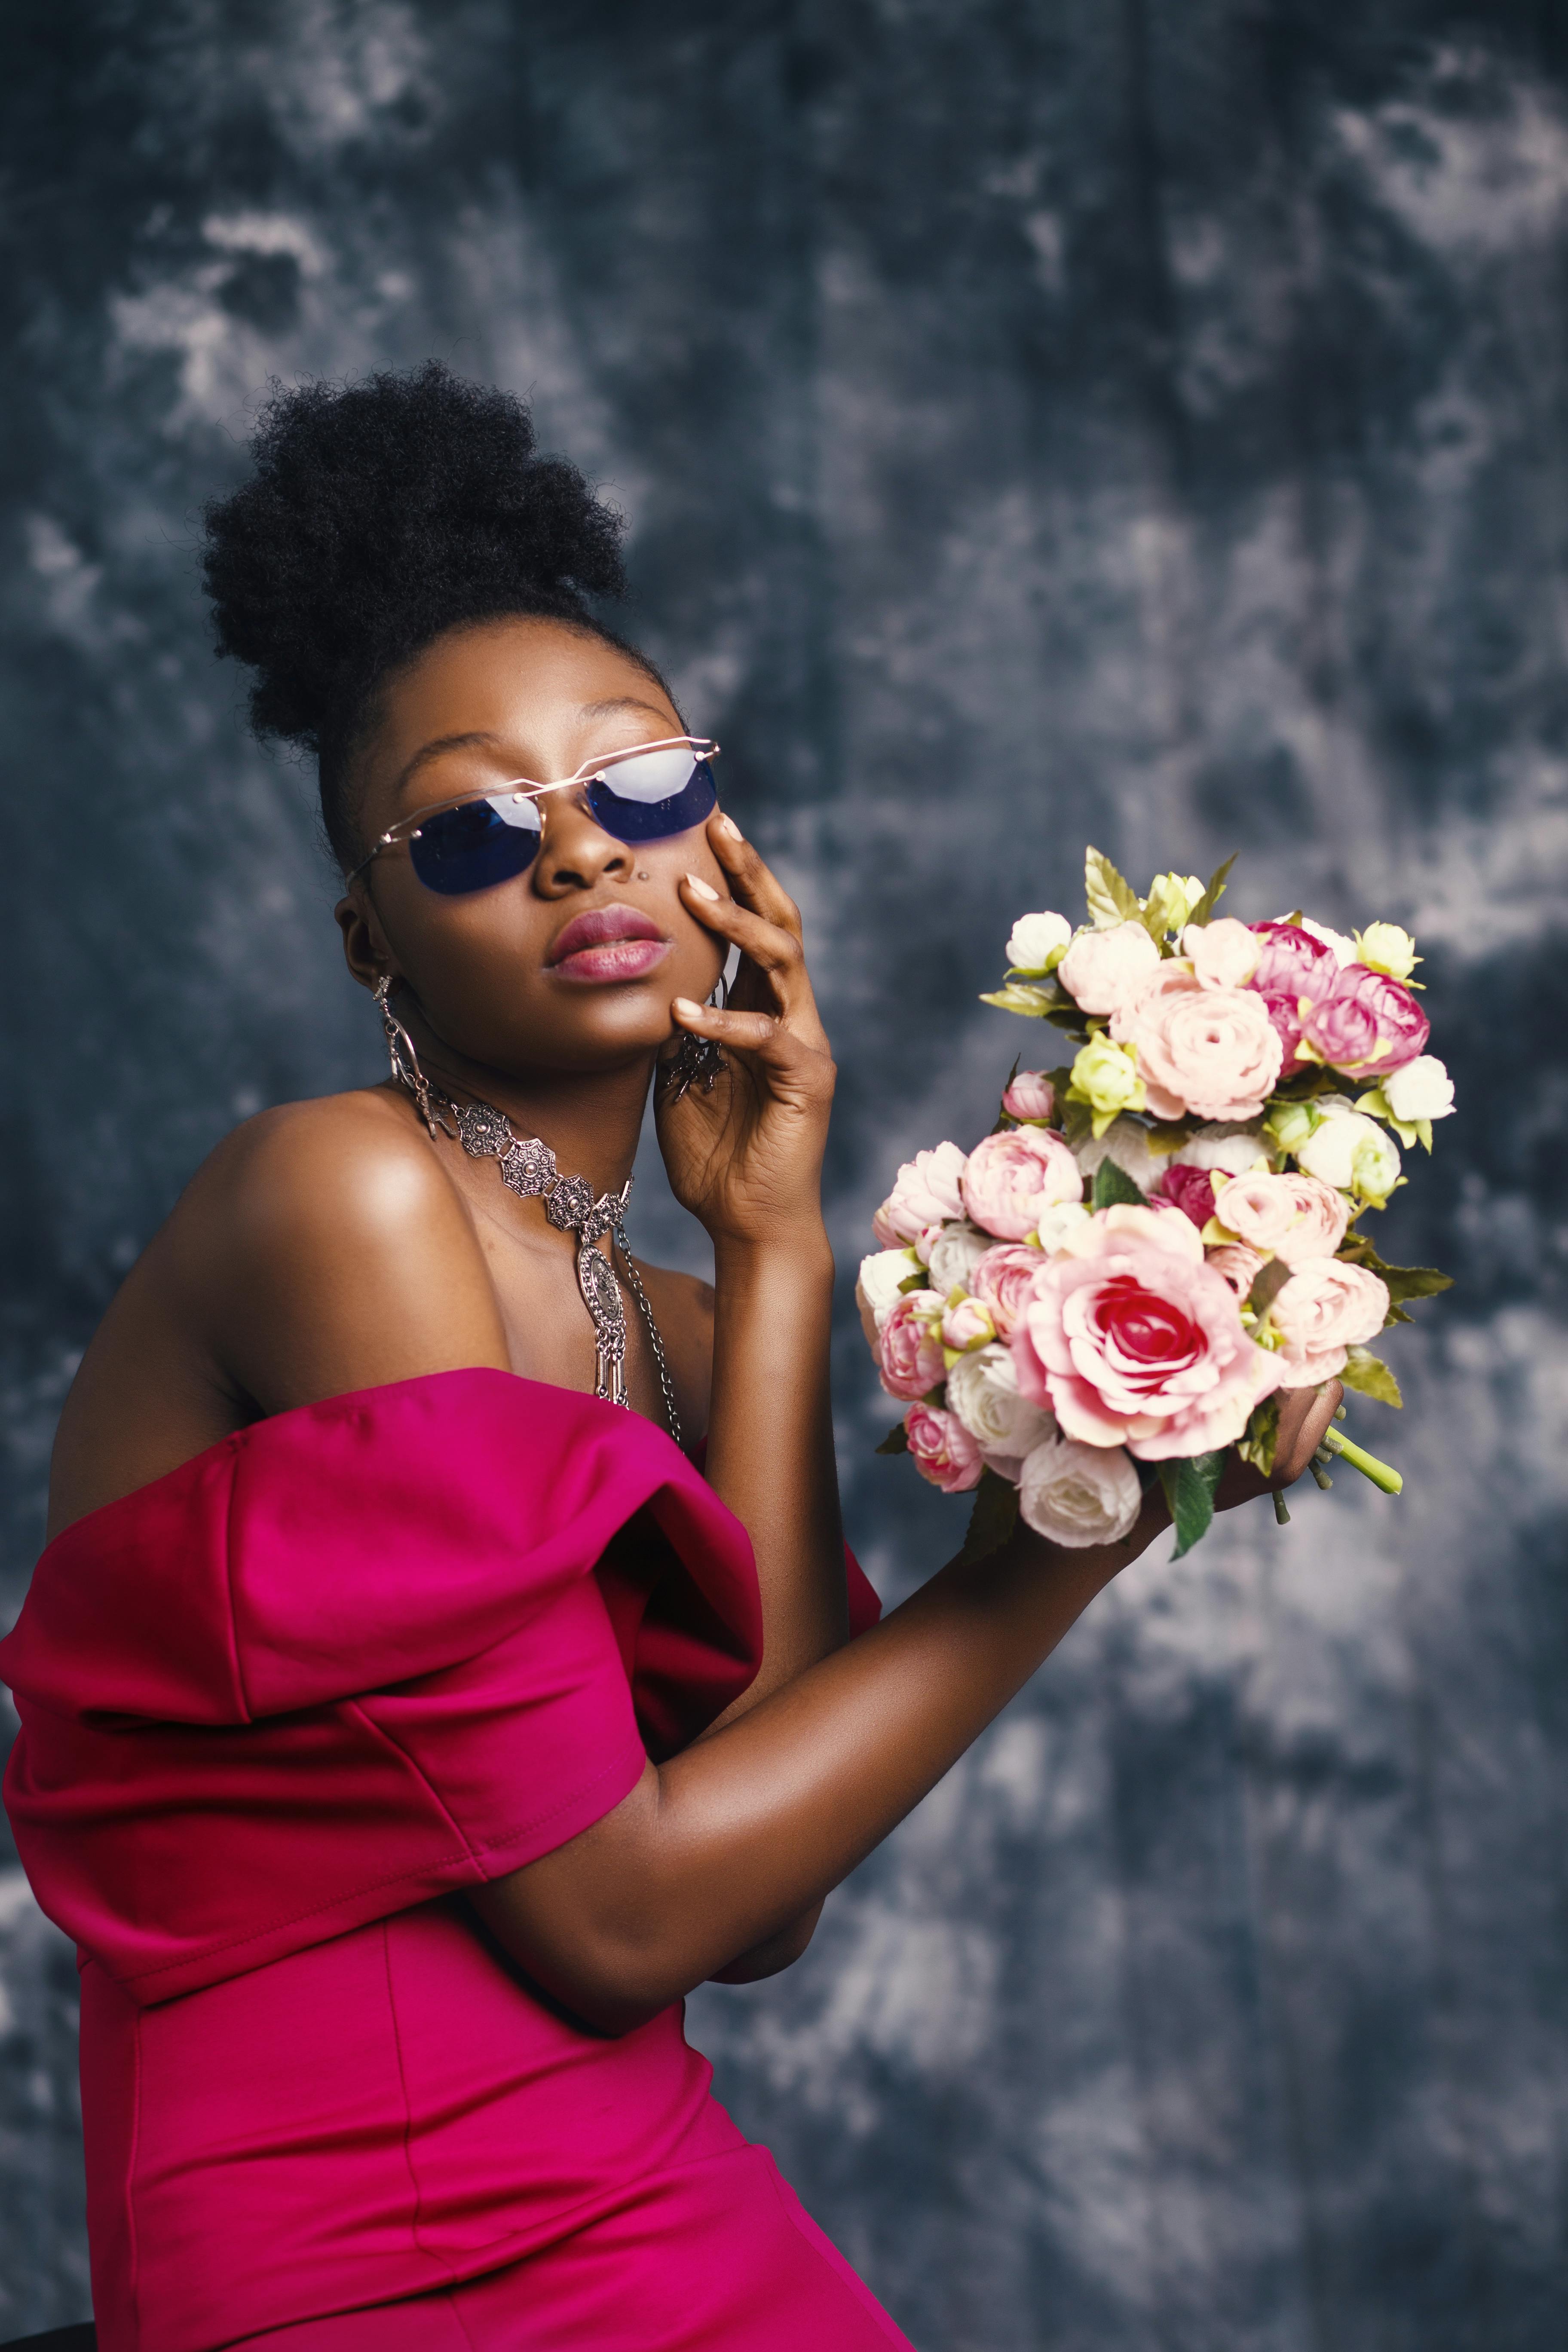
{"points": [[523, 788]]}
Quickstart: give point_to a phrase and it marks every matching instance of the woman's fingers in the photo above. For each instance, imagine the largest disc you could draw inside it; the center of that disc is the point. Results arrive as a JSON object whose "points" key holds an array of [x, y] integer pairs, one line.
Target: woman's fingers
{"points": [[1304, 1418], [750, 879], [797, 1061], [770, 947]]}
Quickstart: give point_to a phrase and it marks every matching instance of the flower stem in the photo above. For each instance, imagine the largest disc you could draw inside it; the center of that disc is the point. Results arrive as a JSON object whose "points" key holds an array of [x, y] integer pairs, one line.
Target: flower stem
{"points": [[1281, 1510], [1389, 1481]]}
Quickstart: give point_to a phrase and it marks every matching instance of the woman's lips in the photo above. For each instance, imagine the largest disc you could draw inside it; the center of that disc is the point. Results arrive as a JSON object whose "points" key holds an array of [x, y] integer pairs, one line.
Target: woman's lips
{"points": [[608, 943]]}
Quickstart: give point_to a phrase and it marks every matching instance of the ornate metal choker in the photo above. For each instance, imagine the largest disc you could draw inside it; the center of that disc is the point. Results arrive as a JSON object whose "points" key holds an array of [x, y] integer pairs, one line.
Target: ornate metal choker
{"points": [[528, 1168]]}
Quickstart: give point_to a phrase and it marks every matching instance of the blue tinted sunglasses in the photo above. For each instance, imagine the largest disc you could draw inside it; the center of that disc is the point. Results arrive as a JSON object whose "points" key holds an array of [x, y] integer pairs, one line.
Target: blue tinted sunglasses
{"points": [[648, 794]]}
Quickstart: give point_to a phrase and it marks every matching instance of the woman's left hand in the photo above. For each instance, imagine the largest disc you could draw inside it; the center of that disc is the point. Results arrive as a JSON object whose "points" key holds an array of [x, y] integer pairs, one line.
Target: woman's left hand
{"points": [[746, 1158]]}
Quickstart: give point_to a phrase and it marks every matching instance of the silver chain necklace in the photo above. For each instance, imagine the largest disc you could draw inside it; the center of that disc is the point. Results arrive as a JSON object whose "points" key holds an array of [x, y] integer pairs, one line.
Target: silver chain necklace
{"points": [[528, 1169]]}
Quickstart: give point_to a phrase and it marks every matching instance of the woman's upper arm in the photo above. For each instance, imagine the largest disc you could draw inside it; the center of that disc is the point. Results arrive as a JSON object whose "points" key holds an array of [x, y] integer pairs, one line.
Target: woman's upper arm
{"points": [[323, 1250]]}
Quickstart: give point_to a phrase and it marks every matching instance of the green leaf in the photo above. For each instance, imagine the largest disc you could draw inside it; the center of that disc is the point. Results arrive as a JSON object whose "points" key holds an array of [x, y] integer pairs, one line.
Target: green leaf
{"points": [[1189, 1489], [1204, 911], [993, 1519], [897, 1441], [1112, 899], [1369, 1376], [1027, 997], [1403, 1281], [920, 1280], [1268, 1282], [1077, 1120], [1113, 1184]]}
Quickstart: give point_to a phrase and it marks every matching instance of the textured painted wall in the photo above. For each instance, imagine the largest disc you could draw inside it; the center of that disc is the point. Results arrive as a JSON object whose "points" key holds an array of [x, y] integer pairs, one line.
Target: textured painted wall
{"points": [[1140, 421]]}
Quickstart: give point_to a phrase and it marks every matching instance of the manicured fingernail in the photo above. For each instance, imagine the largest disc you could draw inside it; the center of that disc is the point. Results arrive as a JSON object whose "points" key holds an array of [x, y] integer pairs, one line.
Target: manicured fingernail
{"points": [[727, 825], [688, 1005], [704, 890]]}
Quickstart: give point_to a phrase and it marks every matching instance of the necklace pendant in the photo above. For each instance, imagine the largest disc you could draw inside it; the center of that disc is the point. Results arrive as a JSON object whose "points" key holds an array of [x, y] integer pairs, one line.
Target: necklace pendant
{"points": [[602, 1296]]}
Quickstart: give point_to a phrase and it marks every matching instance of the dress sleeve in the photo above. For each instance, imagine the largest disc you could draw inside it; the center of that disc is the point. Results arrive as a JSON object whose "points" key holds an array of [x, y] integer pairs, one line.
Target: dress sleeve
{"points": [[352, 1659]]}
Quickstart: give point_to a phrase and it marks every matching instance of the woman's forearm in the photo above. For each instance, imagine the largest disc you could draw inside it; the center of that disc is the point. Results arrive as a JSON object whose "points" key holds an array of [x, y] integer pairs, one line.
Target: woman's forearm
{"points": [[770, 1444], [719, 1851]]}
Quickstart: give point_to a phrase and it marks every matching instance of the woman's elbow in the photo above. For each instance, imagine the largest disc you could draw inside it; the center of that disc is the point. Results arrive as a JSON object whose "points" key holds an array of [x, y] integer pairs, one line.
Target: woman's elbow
{"points": [[772, 1957]]}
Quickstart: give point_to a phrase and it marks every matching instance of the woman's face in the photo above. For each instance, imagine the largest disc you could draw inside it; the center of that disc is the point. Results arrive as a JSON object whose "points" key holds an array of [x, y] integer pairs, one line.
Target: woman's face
{"points": [[500, 973]]}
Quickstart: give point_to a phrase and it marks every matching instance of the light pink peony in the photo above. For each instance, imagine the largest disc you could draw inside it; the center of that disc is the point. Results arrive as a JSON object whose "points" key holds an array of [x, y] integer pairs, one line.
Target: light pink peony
{"points": [[1211, 1051], [1002, 1280], [1030, 1096], [1224, 954], [1012, 1179], [1103, 969], [1367, 1023], [1327, 1306], [1237, 1265], [1295, 1216], [1132, 1340], [909, 1348], [966, 1323], [941, 1449], [1192, 1190], [924, 1196]]}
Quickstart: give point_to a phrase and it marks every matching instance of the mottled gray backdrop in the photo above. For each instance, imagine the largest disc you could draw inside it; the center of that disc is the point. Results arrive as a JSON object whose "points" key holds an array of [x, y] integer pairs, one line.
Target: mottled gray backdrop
{"points": [[1038, 420]]}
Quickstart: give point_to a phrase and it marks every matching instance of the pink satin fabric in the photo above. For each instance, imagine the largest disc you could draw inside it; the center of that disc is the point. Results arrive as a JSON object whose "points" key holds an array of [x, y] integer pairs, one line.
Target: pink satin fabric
{"points": [[279, 1709]]}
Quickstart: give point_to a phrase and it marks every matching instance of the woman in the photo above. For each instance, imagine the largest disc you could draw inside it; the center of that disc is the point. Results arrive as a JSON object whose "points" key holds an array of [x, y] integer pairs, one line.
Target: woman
{"points": [[408, 1728]]}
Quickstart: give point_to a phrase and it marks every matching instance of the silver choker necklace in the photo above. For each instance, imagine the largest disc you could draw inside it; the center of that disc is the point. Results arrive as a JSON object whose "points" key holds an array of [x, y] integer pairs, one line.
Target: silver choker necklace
{"points": [[528, 1168]]}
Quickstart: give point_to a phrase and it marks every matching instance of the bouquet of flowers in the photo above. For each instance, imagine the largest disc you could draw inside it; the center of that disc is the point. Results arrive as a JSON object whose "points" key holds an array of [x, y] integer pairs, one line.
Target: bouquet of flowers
{"points": [[1161, 1235]]}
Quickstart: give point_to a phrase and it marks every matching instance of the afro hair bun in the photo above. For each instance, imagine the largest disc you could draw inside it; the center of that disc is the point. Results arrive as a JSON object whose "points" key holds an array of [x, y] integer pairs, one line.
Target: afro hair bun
{"points": [[378, 515]]}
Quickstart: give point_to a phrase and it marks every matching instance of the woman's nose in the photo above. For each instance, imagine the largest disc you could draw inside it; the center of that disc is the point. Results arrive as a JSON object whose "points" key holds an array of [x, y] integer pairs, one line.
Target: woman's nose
{"points": [[575, 852]]}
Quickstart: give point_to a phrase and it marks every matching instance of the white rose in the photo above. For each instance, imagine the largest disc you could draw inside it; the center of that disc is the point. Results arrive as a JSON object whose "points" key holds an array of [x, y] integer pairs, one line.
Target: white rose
{"points": [[1103, 970], [1233, 1150], [954, 1254], [1057, 1221], [1078, 1495], [983, 1391], [1422, 1089], [1349, 1150], [1344, 950], [1223, 953], [876, 1290], [1126, 1144], [1036, 941]]}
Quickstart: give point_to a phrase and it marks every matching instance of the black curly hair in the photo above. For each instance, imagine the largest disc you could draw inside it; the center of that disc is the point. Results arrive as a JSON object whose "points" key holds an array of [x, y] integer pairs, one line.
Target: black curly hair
{"points": [[379, 515]]}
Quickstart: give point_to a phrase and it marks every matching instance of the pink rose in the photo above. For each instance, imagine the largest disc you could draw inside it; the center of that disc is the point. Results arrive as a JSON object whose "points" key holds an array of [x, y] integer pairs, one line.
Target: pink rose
{"points": [[941, 1449], [924, 1196], [1224, 954], [1212, 1051], [1192, 1190], [1327, 1306], [1102, 969], [909, 1347], [1366, 1022], [1295, 1216], [1011, 1180], [1002, 1280], [1132, 1340], [1030, 1096], [1237, 1264], [966, 1324], [1293, 965]]}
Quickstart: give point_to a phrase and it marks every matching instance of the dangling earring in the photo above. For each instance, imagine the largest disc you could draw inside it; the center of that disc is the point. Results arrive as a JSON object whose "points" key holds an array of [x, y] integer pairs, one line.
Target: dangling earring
{"points": [[405, 1061], [699, 1059]]}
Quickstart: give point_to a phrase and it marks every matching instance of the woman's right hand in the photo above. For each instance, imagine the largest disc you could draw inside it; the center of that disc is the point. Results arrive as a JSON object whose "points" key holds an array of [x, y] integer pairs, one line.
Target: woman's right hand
{"points": [[746, 1158]]}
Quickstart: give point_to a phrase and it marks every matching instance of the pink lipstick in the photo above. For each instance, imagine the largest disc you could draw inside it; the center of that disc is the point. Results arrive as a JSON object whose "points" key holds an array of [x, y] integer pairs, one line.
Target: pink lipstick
{"points": [[607, 943]]}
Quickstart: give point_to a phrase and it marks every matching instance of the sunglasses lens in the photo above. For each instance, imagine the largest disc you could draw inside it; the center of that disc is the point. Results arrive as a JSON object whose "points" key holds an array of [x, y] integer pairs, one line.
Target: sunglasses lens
{"points": [[476, 845], [653, 796]]}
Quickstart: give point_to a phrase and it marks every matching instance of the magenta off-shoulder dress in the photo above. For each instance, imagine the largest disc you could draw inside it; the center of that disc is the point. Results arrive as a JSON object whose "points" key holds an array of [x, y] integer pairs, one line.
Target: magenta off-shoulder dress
{"points": [[279, 1709]]}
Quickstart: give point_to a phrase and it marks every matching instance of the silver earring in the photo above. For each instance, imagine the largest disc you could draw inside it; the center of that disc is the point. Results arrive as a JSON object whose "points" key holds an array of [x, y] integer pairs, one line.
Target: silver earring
{"points": [[698, 1060], [401, 1054]]}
